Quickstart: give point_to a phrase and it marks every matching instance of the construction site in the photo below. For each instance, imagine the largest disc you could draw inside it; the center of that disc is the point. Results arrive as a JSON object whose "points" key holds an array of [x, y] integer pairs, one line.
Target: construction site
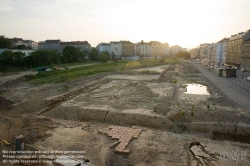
{"points": [[167, 115]]}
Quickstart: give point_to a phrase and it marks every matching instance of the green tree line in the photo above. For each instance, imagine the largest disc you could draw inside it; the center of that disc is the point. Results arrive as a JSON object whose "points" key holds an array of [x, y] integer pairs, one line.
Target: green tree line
{"points": [[40, 58]]}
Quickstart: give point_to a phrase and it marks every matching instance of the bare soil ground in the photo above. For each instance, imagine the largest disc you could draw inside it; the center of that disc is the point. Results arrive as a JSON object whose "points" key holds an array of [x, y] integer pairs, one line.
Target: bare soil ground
{"points": [[183, 129]]}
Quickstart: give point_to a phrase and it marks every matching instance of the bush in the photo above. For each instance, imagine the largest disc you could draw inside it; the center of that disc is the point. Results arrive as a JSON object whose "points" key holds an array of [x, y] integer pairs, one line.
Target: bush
{"points": [[175, 81], [104, 57], [183, 112]]}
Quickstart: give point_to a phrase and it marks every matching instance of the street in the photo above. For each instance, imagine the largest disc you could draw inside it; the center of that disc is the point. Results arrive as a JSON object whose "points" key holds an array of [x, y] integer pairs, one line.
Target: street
{"points": [[235, 89]]}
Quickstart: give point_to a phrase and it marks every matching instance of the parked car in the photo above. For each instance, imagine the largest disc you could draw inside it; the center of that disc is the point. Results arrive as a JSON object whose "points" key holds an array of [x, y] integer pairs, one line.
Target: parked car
{"points": [[245, 70], [248, 79]]}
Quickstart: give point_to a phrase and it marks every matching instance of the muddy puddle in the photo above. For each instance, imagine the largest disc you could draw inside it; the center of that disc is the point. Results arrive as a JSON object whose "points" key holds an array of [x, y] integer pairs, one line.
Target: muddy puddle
{"points": [[196, 89]]}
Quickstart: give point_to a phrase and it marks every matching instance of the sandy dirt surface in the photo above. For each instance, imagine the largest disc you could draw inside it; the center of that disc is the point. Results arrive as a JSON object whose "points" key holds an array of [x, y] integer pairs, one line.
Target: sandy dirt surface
{"points": [[182, 128], [4, 77], [152, 147]]}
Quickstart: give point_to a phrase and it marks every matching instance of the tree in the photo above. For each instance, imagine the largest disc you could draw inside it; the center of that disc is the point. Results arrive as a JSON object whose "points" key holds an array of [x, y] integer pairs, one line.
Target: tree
{"points": [[104, 57], [113, 55], [108, 55], [21, 47], [69, 52], [93, 55], [4, 42], [18, 59], [80, 55], [42, 58], [56, 57], [6, 57], [141, 55], [182, 54], [73, 54]]}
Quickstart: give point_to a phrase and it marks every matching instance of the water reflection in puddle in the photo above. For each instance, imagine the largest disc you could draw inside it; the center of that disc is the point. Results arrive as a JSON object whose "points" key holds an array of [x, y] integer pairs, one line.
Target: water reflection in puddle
{"points": [[197, 89]]}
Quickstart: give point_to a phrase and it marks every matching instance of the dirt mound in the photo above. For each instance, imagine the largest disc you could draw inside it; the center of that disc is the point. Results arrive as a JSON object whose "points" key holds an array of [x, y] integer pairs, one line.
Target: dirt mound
{"points": [[187, 68], [165, 77]]}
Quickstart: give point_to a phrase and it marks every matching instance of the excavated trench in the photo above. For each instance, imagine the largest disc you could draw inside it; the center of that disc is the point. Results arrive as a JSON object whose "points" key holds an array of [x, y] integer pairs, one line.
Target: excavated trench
{"points": [[221, 131], [78, 105]]}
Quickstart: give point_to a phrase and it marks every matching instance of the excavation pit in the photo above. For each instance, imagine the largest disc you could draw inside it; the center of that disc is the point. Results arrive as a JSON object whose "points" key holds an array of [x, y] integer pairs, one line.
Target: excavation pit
{"points": [[119, 102]]}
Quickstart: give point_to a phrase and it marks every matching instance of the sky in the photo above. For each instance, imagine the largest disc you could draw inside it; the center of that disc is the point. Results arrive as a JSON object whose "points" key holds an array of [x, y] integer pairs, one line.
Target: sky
{"points": [[187, 23]]}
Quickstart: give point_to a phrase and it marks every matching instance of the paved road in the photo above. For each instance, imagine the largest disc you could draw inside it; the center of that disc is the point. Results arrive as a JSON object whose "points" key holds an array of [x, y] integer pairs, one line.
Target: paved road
{"points": [[228, 88]]}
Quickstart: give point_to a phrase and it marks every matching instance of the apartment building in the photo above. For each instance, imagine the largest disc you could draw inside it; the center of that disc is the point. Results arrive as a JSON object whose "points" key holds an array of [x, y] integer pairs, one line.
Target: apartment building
{"points": [[213, 49], [58, 45], [221, 51], [50, 45], [28, 43], [104, 47], [193, 52], [83, 45], [245, 54], [202, 51], [152, 48], [127, 48], [166, 49], [234, 49], [175, 49], [116, 48], [143, 49]]}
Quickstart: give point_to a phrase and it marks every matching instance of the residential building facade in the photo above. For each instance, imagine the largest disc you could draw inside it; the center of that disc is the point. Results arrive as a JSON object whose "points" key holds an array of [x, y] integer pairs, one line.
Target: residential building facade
{"points": [[151, 49], [175, 49], [28, 43], [50, 45], [127, 48], [245, 54], [143, 49], [224, 51], [58, 45], [104, 47], [203, 51], [213, 49], [116, 48], [221, 51], [83, 45], [193, 52], [234, 49]]}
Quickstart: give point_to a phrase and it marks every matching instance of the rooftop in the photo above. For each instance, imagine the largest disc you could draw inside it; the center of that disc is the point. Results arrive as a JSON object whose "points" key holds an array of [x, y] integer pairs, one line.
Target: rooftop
{"points": [[53, 41], [75, 43]]}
